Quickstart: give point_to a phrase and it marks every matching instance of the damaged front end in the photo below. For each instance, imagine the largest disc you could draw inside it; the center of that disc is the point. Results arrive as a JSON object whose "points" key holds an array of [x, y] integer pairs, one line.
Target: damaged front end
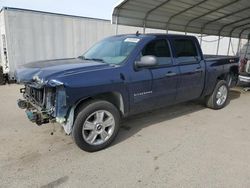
{"points": [[45, 103]]}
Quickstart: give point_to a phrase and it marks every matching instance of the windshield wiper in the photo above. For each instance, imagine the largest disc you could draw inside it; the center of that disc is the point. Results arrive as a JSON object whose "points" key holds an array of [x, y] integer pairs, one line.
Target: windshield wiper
{"points": [[95, 59], [92, 59]]}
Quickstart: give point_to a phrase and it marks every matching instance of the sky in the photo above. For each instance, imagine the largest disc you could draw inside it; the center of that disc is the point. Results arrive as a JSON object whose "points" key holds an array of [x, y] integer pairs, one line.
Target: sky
{"points": [[88, 8]]}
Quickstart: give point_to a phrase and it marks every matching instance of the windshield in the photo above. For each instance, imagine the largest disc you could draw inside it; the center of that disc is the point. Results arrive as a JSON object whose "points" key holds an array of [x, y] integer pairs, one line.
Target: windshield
{"points": [[112, 50]]}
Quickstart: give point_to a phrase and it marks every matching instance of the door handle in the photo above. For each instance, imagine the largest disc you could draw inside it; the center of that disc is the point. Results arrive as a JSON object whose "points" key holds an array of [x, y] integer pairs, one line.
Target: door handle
{"points": [[198, 69], [169, 74]]}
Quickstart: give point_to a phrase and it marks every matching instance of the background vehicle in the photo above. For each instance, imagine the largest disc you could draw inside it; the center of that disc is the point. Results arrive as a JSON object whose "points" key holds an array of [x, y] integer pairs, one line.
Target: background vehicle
{"points": [[120, 76], [244, 69]]}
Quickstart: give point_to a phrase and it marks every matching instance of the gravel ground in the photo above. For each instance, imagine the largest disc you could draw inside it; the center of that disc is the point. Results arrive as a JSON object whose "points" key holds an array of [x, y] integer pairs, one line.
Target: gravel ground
{"points": [[185, 145]]}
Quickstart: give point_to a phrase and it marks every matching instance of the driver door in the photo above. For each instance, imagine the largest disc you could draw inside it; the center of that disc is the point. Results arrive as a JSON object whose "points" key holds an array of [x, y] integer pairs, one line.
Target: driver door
{"points": [[158, 85], [165, 74]]}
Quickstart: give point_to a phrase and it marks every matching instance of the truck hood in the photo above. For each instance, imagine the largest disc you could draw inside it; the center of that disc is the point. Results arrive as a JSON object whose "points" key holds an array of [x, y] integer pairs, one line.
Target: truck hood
{"points": [[43, 71]]}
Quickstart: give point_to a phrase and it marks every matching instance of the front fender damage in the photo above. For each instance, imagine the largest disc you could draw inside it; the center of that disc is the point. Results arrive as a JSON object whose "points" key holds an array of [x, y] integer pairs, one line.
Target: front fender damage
{"points": [[51, 107], [67, 124], [61, 108]]}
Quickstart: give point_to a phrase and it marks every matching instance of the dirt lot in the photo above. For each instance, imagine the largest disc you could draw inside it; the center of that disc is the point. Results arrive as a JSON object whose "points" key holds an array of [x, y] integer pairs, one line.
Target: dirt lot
{"points": [[181, 146]]}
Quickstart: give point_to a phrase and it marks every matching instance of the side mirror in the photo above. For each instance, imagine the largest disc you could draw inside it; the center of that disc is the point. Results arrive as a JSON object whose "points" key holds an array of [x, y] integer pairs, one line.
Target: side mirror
{"points": [[146, 61]]}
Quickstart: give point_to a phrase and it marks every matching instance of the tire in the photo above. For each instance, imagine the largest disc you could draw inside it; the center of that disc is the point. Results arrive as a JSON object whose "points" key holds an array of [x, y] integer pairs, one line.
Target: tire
{"points": [[2, 79], [229, 79], [91, 130], [221, 89], [232, 80]]}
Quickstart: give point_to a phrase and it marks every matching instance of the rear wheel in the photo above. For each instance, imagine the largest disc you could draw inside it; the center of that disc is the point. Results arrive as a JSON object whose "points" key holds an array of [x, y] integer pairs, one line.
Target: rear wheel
{"points": [[218, 99], [96, 125]]}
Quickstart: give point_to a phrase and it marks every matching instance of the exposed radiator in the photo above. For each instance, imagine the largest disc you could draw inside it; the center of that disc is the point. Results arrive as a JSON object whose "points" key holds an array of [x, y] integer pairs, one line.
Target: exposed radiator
{"points": [[35, 95]]}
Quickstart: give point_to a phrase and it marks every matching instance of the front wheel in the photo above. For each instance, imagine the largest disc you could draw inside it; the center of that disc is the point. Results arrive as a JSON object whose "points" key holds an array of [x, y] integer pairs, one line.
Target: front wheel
{"points": [[218, 99], [96, 125]]}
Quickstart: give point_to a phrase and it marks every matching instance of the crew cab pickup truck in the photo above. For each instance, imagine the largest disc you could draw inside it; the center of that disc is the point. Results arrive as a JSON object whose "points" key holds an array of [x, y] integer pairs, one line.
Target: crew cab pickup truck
{"points": [[120, 76]]}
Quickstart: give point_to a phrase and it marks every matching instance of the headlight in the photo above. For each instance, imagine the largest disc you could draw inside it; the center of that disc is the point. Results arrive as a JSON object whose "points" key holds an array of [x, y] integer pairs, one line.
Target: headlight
{"points": [[37, 79], [54, 83]]}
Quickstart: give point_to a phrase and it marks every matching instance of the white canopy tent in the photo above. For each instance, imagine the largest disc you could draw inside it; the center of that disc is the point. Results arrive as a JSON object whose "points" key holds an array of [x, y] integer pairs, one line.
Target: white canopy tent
{"points": [[227, 18]]}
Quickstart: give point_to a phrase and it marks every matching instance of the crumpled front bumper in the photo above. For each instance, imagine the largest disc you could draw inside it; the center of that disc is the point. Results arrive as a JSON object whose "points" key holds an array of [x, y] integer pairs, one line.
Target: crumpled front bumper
{"points": [[53, 108], [33, 113]]}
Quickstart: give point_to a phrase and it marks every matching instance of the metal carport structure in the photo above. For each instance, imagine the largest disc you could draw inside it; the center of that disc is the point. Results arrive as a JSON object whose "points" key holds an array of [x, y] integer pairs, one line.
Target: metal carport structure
{"points": [[227, 18]]}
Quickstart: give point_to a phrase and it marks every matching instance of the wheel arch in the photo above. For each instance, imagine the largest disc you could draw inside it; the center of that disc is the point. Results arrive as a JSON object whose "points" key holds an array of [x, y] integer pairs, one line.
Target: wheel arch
{"points": [[114, 98], [234, 69], [232, 73]]}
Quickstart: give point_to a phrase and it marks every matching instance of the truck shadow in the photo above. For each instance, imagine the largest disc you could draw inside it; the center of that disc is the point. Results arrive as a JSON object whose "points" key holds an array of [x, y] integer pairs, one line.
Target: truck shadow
{"points": [[132, 125], [234, 94]]}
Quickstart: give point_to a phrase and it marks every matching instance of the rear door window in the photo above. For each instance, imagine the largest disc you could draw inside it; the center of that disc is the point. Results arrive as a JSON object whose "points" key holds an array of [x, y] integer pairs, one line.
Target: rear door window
{"points": [[185, 50]]}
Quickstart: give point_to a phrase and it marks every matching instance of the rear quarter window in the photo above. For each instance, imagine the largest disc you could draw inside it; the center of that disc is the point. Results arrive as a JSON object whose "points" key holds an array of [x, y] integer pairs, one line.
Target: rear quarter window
{"points": [[185, 50]]}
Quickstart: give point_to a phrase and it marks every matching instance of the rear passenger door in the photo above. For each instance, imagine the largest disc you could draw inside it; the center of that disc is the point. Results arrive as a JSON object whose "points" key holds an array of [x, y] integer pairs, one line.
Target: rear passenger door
{"points": [[165, 74], [191, 66]]}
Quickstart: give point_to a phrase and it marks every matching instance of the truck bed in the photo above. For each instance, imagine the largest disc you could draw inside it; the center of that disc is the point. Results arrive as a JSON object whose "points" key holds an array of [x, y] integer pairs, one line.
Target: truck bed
{"points": [[217, 57], [219, 66]]}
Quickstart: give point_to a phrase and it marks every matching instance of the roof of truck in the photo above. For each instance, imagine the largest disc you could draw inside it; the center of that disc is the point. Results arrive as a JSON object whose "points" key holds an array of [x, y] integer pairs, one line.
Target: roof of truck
{"points": [[155, 35]]}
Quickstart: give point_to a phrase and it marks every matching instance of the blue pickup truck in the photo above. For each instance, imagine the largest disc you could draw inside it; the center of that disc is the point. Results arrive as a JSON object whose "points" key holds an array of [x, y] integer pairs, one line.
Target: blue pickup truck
{"points": [[120, 76]]}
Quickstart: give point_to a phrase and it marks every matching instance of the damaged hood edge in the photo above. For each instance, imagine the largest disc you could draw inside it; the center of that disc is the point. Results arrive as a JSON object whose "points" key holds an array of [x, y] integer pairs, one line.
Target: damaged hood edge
{"points": [[41, 72]]}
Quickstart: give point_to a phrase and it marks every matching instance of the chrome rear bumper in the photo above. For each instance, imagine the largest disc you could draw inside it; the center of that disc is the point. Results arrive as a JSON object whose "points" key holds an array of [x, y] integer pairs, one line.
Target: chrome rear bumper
{"points": [[244, 79]]}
